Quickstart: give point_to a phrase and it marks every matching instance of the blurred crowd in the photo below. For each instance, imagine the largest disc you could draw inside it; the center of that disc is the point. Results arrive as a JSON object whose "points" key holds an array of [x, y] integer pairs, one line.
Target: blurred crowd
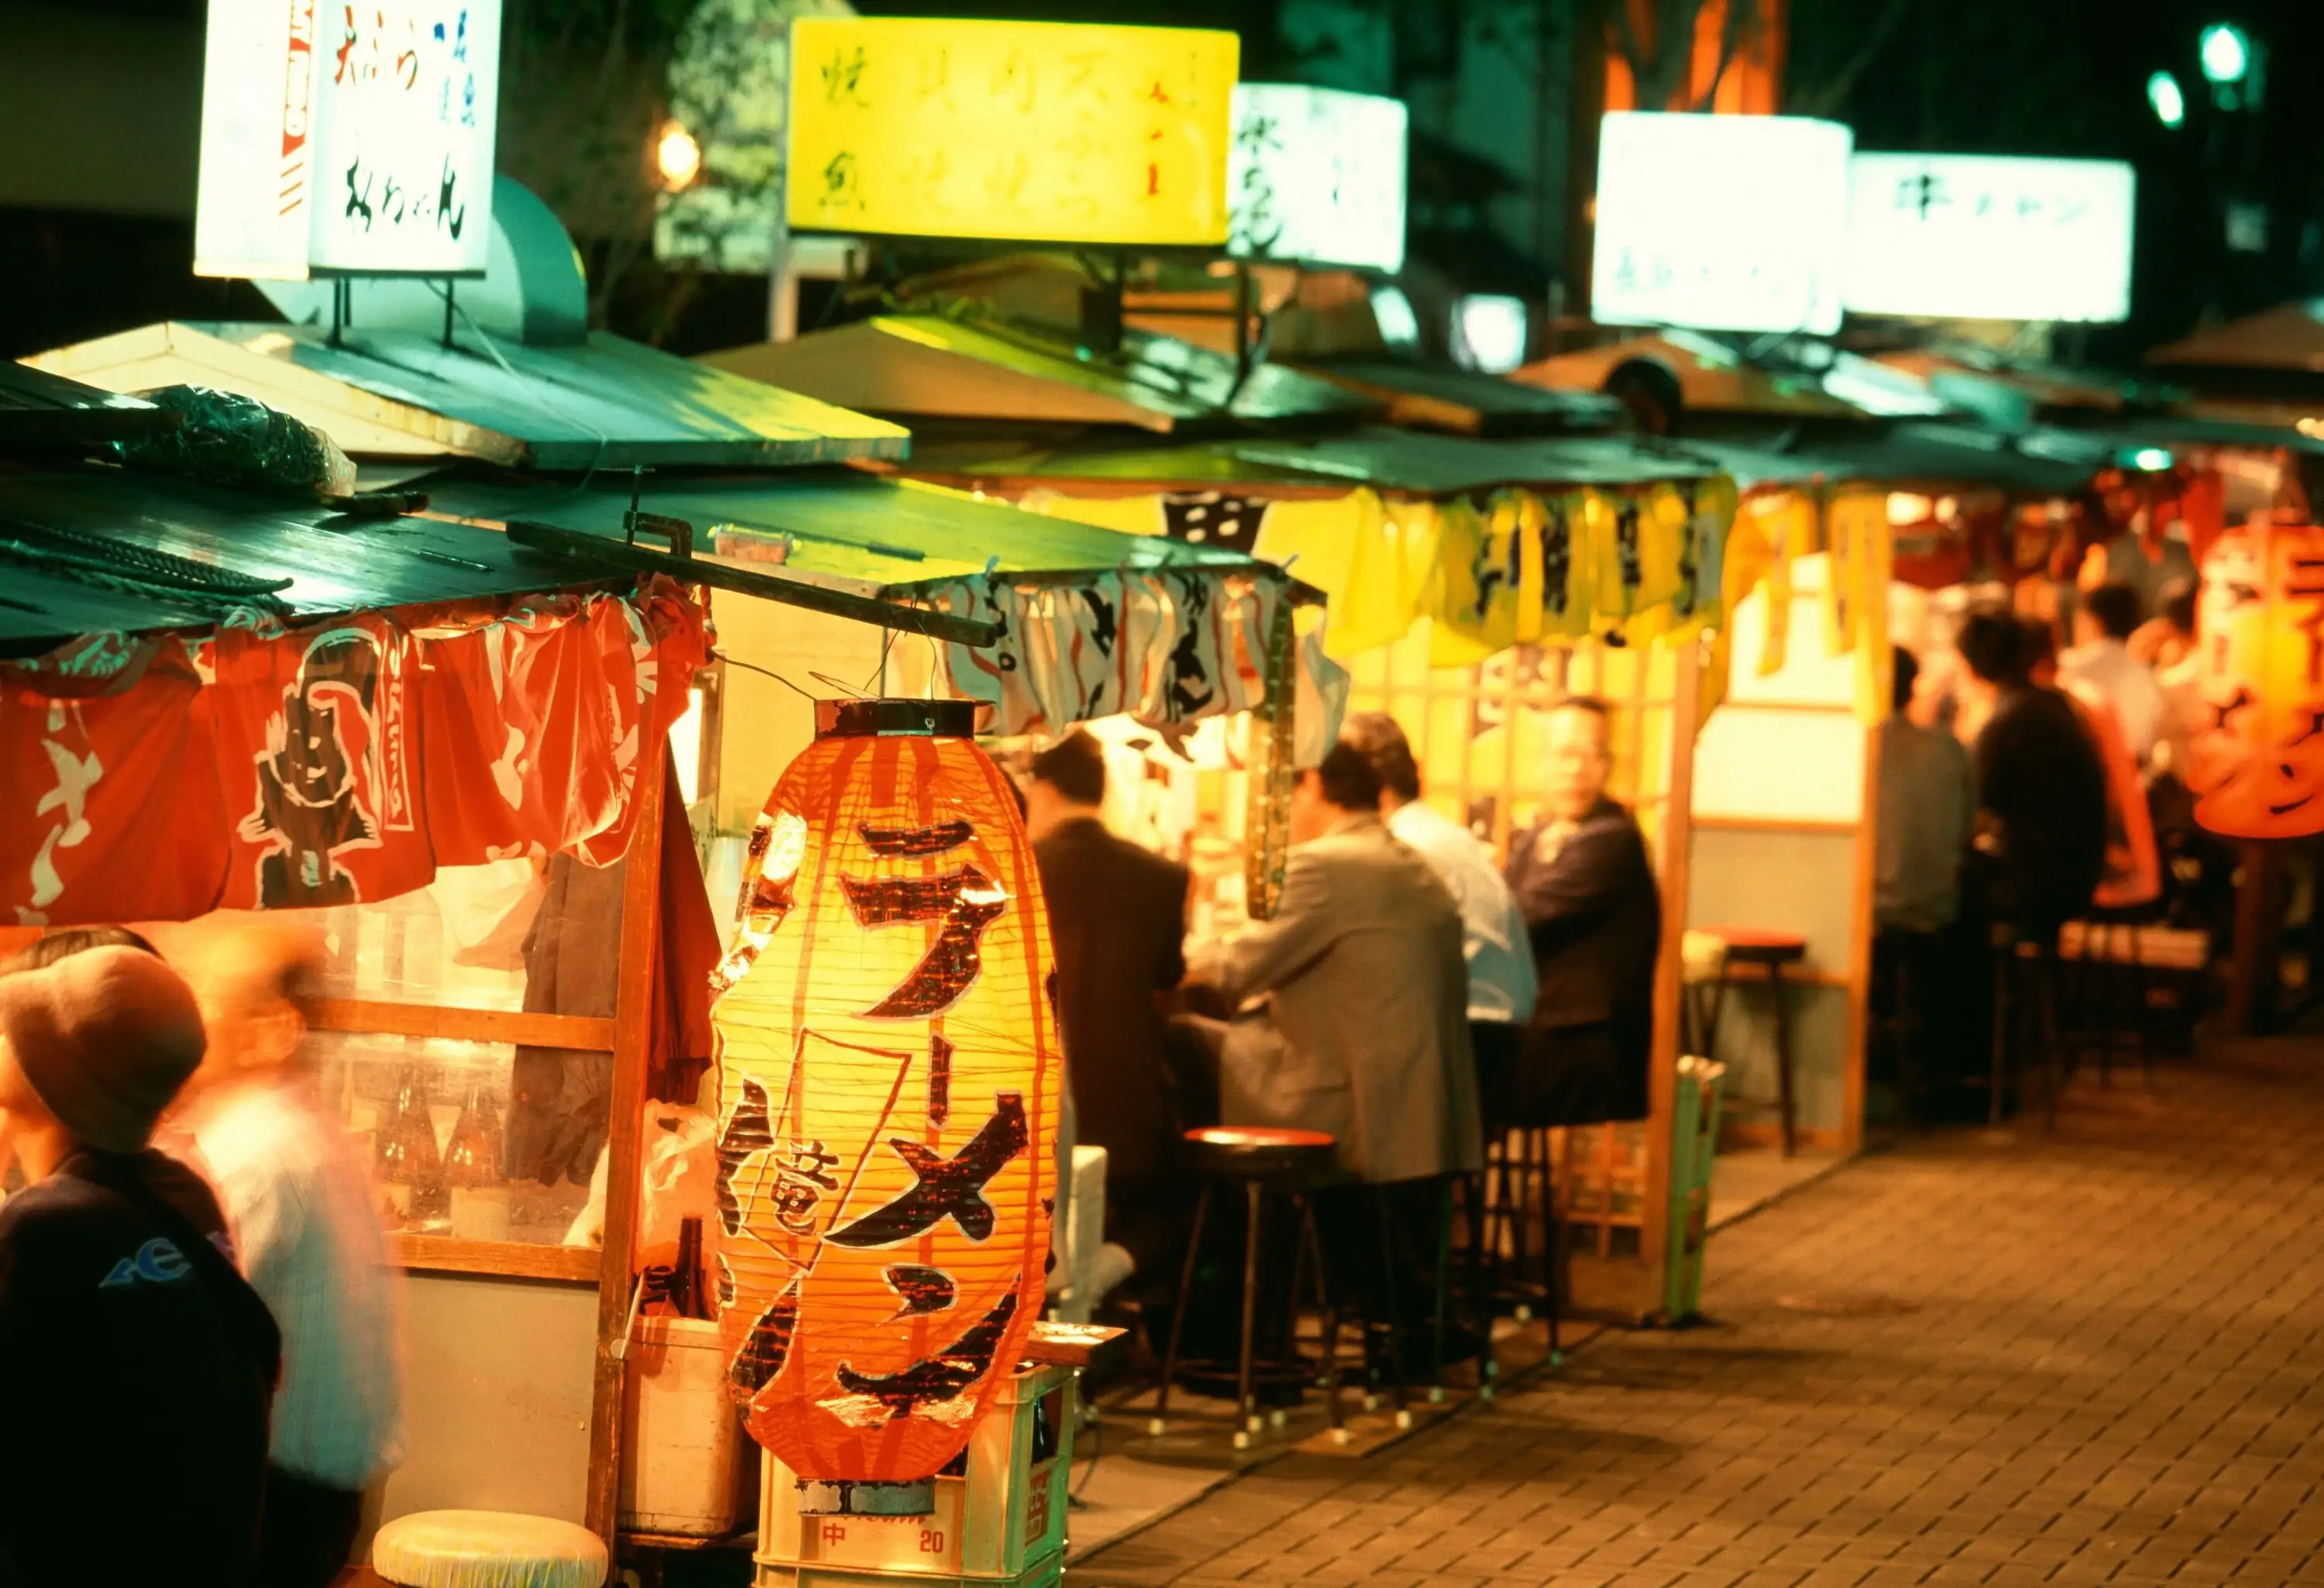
{"points": [[2024, 785]]}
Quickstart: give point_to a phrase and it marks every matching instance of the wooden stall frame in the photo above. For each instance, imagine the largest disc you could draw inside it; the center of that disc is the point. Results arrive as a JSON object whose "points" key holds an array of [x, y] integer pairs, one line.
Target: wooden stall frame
{"points": [[1670, 973], [632, 1038]]}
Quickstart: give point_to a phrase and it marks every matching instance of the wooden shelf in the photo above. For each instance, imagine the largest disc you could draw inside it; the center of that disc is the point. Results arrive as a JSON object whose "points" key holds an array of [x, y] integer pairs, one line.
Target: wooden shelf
{"points": [[462, 1025], [515, 1260]]}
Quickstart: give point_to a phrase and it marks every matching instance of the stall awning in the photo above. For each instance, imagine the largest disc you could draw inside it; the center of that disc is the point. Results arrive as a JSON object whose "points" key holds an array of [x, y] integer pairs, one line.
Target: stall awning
{"points": [[928, 366], [1708, 379], [1464, 402], [219, 701], [1093, 622], [1443, 466], [602, 404], [90, 549], [838, 522], [2041, 463]]}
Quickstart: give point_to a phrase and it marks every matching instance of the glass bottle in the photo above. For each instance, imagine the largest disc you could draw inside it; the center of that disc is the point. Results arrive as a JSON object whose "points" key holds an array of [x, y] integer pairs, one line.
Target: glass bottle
{"points": [[472, 1170], [407, 1159]]}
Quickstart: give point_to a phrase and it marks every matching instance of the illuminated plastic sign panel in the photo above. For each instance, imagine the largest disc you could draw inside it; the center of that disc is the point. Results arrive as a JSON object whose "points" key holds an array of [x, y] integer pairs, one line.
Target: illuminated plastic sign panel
{"points": [[1316, 175], [1974, 237], [347, 140], [1721, 222], [1039, 132]]}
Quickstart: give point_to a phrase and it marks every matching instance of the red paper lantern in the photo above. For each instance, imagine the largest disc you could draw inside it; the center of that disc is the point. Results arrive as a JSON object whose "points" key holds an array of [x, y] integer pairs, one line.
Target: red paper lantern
{"points": [[888, 1070], [2259, 752]]}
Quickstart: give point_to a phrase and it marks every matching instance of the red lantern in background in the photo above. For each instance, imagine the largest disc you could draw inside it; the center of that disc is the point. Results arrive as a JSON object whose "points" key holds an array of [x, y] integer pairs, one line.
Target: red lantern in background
{"points": [[888, 1070], [2259, 752]]}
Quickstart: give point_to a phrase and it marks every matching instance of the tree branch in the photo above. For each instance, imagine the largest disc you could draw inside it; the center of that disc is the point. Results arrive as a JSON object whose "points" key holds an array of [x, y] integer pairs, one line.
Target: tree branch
{"points": [[1829, 97]]}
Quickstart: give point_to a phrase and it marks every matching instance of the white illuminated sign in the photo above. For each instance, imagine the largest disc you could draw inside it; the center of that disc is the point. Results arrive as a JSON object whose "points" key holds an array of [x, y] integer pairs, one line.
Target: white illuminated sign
{"points": [[347, 140], [1974, 237], [1721, 222], [1316, 175]]}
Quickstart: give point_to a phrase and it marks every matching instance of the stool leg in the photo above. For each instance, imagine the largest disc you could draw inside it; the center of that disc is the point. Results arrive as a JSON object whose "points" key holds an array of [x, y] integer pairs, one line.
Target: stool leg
{"points": [[2139, 1009], [1783, 1053], [1179, 1311], [1391, 1304], [2003, 959], [1480, 1298], [1246, 1403], [1443, 1285], [1326, 1299], [2043, 1015], [2106, 1005], [1553, 1246]]}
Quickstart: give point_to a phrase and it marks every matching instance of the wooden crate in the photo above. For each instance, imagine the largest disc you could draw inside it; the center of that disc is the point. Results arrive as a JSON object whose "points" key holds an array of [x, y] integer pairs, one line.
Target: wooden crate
{"points": [[1002, 1522]]}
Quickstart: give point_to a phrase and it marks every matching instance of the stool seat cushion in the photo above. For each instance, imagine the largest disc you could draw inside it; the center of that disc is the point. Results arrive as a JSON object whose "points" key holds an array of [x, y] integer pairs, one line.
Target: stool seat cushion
{"points": [[487, 1549], [1701, 956], [1257, 1137], [1759, 945]]}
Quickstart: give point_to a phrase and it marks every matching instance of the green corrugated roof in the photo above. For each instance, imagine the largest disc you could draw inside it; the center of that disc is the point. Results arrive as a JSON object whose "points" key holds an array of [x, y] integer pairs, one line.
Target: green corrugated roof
{"points": [[334, 563], [605, 404], [1486, 405], [1179, 378], [1409, 462], [602, 404], [2043, 463], [841, 522], [1436, 465]]}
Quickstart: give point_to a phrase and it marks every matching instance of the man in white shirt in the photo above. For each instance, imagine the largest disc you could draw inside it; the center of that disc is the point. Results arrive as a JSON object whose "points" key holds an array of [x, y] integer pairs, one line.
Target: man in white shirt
{"points": [[1493, 931], [2104, 621], [299, 1203]]}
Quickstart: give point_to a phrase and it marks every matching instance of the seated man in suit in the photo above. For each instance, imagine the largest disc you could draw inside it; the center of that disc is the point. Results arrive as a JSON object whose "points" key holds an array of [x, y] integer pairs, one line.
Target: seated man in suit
{"points": [[1117, 922], [1594, 913], [1354, 994]]}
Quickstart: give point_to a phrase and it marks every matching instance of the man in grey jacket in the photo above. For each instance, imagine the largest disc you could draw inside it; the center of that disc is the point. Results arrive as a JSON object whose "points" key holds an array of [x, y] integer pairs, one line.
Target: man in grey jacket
{"points": [[1353, 996]]}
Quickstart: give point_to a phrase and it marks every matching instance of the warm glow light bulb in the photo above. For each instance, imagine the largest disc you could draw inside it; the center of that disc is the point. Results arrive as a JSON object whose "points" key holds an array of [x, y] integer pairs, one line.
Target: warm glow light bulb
{"points": [[678, 156]]}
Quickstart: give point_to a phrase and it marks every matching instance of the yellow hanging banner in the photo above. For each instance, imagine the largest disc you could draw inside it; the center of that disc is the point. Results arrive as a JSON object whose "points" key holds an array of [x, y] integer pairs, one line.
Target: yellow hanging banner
{"points": [[1037, 132]]}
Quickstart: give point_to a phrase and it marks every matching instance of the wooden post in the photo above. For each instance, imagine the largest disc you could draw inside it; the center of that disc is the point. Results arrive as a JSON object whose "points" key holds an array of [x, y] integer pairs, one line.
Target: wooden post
{"points": [[1859, 952], [1670, 974], [632, 1038], [2251, 975]]}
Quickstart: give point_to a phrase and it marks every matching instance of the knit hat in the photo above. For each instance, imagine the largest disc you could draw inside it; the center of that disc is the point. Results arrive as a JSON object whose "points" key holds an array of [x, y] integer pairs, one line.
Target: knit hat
{"points": [[106, 1038]]}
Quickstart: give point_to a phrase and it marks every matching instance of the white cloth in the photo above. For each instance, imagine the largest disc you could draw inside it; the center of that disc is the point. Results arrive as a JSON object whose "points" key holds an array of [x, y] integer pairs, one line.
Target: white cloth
{"points": [[298, 1204], [1492, 932], [2129, 685]]}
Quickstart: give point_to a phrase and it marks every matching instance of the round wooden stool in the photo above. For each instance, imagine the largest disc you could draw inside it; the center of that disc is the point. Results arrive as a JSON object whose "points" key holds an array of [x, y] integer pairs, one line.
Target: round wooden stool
{"points": [[1769, 953], [1261, 1161], [485, 1548]]}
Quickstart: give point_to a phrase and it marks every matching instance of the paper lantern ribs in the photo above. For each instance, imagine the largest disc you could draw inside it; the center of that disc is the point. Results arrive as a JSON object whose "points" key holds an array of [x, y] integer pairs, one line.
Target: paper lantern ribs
{"points": [[889, 1069], [2259, 751]]}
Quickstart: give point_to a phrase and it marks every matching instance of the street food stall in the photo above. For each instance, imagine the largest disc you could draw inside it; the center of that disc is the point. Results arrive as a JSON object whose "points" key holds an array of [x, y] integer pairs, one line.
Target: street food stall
{"points": [[1550, 565]]}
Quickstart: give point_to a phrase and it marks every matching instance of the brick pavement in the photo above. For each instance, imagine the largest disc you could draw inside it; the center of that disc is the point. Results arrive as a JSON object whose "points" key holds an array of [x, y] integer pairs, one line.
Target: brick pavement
{"points": [[2098, 1363]]}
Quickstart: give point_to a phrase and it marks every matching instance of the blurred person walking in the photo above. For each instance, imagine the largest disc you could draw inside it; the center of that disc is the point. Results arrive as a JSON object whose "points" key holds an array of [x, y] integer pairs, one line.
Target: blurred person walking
{"points": [[136, 1366], [299, 1201]]}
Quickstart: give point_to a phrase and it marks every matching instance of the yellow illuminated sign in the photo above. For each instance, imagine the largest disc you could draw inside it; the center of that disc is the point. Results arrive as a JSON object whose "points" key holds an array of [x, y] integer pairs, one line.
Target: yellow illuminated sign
{"points": [[1039, 132]]}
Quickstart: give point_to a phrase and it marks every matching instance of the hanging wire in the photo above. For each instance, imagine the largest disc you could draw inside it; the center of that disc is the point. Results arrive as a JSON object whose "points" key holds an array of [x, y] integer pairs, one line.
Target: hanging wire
{"points": [[752, 667]]}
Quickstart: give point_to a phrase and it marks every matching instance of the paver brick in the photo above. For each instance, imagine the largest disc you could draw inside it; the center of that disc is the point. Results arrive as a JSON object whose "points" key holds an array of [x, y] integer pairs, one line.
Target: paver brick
{"points": [[2101, 1370]]}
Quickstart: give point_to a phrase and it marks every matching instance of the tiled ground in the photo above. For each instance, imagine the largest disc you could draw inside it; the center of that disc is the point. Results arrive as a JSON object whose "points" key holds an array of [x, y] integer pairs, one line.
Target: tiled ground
{"points": [[2097, 1358]]}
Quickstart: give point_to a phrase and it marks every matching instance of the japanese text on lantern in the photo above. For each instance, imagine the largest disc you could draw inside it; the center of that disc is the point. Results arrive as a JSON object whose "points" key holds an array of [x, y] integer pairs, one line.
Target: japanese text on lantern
{"points": [[2259, 751], [1037, 131], [887, 1070]]}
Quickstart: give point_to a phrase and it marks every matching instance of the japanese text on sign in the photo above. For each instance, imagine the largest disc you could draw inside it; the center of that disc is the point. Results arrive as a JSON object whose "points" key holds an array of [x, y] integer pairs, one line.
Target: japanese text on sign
{"points": [[1976, 236], [1726, 223], [1035, 131], [1317, 175], [375, 154]]}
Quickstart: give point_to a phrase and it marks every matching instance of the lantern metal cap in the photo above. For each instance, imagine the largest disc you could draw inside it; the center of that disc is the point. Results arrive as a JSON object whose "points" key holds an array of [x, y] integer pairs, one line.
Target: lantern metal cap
{"points": [[895, 717]]}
